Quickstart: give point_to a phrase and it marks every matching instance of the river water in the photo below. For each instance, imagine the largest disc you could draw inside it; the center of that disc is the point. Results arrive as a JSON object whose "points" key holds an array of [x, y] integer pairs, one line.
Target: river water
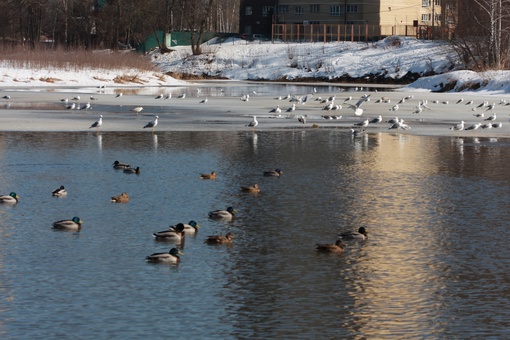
{"points": [[435, 264]]}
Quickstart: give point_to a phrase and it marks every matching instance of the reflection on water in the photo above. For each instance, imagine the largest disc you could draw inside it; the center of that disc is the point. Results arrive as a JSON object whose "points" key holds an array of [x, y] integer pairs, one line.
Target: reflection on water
{"points": [[435, 264]]}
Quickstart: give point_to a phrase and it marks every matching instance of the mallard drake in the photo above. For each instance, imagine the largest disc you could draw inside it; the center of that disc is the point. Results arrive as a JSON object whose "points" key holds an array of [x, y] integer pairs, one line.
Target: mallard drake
{"points": [[212, 175], [338, 247], [361, 234], [220, 239], [132, 170], [223, 214], [171, 257], [251, 188], [122, 198], [275, 172], [59, 192], [172, 234], [11, 198], [120, 166], [73, 224], [191, 227]]}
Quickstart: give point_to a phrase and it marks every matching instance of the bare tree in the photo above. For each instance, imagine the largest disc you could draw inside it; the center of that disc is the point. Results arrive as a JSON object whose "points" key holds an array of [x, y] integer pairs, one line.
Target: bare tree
{"points": [[483, 33]]}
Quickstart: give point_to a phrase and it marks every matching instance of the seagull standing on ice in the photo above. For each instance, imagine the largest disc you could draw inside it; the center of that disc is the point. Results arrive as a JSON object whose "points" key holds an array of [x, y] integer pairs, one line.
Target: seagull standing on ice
{"points": [[394, 108], [458, 127], [97, 124], [276, 109], [203, 101], [159, 96], [376, 120], [118, 95], [137, 109], [86, 106], [152, 124], [491, 118], [253, 123], [363, 124]]}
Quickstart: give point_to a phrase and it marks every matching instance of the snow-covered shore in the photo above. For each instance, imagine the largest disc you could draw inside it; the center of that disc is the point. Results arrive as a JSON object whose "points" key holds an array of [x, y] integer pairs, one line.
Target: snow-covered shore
{"points": [[36, 94]]}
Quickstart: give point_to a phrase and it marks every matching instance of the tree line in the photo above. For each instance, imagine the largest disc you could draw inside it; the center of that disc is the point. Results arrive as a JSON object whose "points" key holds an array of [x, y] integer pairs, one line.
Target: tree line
{"points": [[92, 24], [481, 34]]}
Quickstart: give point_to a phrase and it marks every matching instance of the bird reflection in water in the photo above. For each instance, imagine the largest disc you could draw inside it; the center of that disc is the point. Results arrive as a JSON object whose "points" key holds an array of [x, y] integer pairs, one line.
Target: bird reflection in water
{"points": [[155, 141]]}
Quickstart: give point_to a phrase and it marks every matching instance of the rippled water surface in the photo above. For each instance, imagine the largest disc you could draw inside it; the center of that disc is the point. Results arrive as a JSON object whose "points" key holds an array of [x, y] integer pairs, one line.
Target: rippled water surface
{"points": [[435, 265]]}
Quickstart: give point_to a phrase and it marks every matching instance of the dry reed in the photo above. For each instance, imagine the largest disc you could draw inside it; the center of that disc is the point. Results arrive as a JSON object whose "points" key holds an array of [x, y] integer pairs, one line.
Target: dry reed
{"points": [[75, 60]]}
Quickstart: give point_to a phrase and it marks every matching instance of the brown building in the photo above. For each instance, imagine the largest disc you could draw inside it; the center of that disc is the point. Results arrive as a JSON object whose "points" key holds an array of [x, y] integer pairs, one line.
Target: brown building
{"points": [[257, 16]]}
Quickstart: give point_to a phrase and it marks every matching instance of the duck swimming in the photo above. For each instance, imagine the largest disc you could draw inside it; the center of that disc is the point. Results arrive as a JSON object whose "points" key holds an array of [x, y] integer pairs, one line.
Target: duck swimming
{"points": [[120, 166], [171, 257], [59, 192], [132, 170], [337, 247], [251, 188], [361, 234], [73, 224], [219, 239], [122, 198], [212, 175], [276, 172], [223, 214], [11, 198], [172, 234], [191, 227]]}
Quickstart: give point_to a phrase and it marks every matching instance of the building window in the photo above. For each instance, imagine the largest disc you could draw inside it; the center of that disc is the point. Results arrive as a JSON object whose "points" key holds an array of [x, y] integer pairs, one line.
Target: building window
{"points": [[334, 10], [282, 9], [425, 3], [267, 10], [437, 2], [248, 10], [298, 10], [315, 8], [352, 8], [425, 17]]}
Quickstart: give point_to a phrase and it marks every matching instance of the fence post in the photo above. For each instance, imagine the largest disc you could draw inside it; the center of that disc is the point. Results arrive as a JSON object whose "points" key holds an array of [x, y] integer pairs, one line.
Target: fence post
{"points": [[352, 32]]}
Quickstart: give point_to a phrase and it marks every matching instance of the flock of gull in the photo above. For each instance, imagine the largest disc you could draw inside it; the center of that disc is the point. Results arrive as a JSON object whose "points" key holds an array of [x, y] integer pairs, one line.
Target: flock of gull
{"points": [[329, 107]]}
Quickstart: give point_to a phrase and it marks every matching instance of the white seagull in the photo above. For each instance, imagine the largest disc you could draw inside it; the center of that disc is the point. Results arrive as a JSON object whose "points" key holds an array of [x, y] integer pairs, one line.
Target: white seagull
{"points": [[376, 120], [491, 117], [203, 101], [473, 127], [118, 95], [458, 127], [159, 96], [363, 124], [276, 109], [137, 109], [292, 108], [253, 123], [152, 124], [97, 124], [358, 111]]}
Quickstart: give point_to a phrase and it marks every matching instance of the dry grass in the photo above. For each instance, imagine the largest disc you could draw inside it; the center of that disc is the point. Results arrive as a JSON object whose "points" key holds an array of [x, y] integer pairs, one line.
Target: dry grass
{"points": [[75, 60]]}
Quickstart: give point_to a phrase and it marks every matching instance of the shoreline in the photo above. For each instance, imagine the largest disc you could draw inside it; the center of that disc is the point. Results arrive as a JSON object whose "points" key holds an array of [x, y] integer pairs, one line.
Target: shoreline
{"points": [[33, 110]]}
